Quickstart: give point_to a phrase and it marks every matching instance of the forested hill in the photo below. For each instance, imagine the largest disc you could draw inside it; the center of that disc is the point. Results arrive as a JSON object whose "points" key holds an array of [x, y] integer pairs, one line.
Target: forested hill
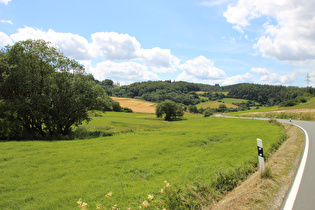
{"points": [[156, 91], [266, 94], [186, 93]]}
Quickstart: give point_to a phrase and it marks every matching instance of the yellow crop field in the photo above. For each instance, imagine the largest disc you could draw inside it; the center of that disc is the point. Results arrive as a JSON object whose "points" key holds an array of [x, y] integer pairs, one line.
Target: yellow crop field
{"points": [[136, 105]]}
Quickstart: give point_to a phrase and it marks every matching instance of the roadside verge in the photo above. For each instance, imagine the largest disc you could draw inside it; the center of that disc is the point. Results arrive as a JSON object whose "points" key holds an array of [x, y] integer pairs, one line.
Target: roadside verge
{"points": [[268, 193]]}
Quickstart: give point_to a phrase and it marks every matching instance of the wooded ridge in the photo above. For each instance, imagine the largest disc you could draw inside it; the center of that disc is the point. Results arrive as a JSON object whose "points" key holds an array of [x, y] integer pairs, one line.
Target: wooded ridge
{"points": [[194, 93]]}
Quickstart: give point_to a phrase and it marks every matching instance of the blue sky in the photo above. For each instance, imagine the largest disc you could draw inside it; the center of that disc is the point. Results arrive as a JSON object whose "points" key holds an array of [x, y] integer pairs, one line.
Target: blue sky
{"points": [[213, 42]]}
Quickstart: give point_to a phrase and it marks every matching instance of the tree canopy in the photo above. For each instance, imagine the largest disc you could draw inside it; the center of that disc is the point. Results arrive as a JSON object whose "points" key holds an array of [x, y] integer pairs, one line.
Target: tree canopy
{"points": [[44, 93], [170, 110], [266, 94]]}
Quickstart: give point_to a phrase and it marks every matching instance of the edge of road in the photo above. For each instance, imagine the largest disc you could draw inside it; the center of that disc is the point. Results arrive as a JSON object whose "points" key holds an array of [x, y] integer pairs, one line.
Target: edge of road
{"points": [[290, 197], [293, 191]]}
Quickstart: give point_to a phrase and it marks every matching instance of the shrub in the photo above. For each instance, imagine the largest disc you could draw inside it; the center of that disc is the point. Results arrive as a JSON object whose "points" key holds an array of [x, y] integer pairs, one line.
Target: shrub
{"points": [[266, 173], [116, 107], [128, 110], [207, 113]]}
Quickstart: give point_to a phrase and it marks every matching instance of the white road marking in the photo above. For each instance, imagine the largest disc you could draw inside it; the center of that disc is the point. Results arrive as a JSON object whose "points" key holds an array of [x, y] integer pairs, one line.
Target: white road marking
{"points": [[298, 178]]}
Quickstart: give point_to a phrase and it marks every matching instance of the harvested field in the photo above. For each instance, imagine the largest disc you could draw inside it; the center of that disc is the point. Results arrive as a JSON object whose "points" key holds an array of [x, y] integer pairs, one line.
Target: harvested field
{"points": [[136, 105], [215, 104]]}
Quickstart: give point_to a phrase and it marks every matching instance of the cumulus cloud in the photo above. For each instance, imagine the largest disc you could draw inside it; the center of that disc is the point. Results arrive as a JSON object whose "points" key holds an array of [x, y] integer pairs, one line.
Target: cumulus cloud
{"points": [[246, 78], [5, 1], [273, 78], [5, 39], [105, 48], [110, 46], [124, 73], [73, 45], [114, 46], [276, 79], [289, 33], [160, 60], [260, 71], [200, 68]]}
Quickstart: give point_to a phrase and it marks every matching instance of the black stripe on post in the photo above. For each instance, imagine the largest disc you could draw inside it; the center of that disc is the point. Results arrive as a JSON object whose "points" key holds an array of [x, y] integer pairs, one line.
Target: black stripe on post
{"points": [[260, 151]]}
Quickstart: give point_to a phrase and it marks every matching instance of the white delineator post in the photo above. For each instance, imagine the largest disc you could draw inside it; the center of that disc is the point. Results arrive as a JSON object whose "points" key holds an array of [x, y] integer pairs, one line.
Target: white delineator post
{"points": [[260, 155]]}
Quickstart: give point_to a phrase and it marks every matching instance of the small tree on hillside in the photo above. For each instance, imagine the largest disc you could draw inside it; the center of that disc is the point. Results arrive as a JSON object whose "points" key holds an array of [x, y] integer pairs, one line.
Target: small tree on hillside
{"points": [[169, 109]]}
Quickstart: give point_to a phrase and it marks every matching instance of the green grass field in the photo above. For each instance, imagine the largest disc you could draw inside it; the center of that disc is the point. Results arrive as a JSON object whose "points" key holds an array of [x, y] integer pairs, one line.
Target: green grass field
{"points": [[227, 101], [142, 153]]}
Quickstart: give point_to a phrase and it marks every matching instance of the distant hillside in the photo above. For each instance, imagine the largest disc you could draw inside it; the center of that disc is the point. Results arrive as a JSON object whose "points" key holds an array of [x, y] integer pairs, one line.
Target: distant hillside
{"points": [[268, 94], [189, 93]]}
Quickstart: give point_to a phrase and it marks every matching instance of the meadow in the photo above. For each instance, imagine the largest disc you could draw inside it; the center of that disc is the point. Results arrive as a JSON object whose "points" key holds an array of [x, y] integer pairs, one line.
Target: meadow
{"points": [[302, 111], [138, 154]]}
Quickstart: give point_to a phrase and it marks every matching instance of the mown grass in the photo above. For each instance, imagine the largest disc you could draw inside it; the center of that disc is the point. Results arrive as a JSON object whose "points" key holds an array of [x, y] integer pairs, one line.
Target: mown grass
{"points": [[141, 154], [310, 104], [215, 104], [261, 109]]}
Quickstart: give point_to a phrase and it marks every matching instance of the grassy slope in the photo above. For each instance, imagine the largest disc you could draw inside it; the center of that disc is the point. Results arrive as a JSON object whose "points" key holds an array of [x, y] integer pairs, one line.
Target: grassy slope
{"points": [[310, 104], [303, 111], [50, 175], [215, 104]]}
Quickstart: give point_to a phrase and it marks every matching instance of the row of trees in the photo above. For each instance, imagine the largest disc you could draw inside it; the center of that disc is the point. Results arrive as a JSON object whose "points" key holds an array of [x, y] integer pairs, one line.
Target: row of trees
{"points": [[173, 111], [43, 93]]}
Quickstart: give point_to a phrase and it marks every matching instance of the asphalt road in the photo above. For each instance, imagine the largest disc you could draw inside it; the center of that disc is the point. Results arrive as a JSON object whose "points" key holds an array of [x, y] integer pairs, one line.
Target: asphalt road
{"points": [[302, 192]]}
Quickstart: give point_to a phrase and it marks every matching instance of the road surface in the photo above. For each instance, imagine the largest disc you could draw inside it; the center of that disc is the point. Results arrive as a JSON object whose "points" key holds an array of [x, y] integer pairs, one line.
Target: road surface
{"points": [[304, 184]]}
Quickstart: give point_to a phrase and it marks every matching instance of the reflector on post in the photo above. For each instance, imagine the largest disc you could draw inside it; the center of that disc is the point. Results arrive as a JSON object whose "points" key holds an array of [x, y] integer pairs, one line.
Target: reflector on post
{"points": [[260, 155]]}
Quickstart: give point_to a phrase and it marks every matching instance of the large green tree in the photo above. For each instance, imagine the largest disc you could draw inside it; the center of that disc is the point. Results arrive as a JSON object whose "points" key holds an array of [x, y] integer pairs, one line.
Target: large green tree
{"points": [[169, 109], [43, 92]]}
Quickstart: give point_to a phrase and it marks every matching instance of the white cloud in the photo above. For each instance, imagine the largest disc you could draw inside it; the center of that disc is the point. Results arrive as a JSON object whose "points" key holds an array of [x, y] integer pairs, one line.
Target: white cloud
{"points": [[246, 78], [276, 79], [73, 45], [213, 3], [5, 39], [200, 69], [160, 60], [114, 46], [124, 73], [238, 14], [6, 21], [273, 78], [110, 46], [260, 71], [289, 33], [5, 1]]}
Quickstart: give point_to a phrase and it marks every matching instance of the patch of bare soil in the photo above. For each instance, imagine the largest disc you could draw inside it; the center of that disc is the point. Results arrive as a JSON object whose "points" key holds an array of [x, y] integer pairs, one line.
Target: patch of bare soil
{"points": [[136, 105], [268, 193]]}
